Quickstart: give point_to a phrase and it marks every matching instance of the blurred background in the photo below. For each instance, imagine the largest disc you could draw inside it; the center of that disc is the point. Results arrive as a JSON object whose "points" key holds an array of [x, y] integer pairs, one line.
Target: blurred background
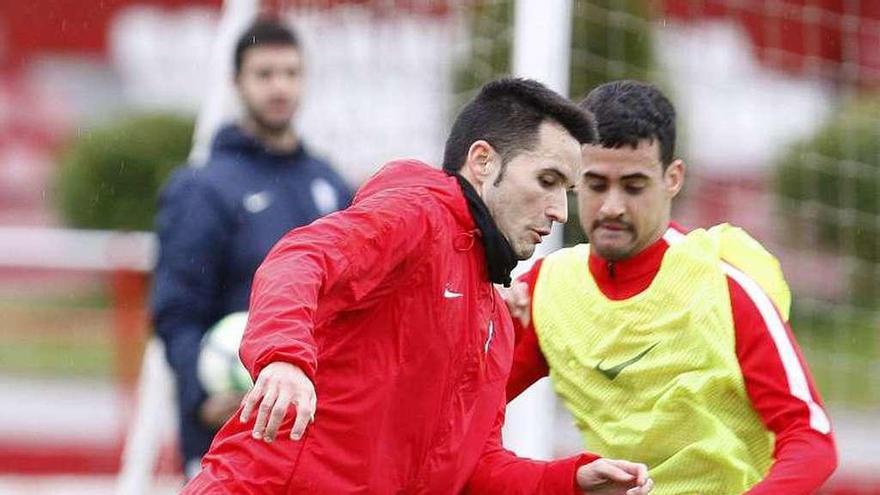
{"points": [[779, 118]]}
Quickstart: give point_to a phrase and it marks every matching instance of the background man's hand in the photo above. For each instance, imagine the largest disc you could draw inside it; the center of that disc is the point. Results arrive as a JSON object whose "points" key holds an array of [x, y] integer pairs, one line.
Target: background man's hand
{"points": [[517, 298], [612, 477], [277, 387], [218, 408]]}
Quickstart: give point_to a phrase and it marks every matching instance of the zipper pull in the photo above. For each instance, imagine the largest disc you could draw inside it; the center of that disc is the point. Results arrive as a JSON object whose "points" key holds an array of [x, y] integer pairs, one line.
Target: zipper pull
{"points": [[490, 334]]}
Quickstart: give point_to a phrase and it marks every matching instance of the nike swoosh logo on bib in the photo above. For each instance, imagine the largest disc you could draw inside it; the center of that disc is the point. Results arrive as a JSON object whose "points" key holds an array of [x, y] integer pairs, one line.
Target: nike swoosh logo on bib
{"points": [[612, 372]]}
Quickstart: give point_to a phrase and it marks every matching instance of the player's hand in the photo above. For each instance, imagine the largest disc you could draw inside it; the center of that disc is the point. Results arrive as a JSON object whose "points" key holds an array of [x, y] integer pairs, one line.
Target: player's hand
{"points": [[612, 477], [278, 386], [517, 298], [218, 408]]}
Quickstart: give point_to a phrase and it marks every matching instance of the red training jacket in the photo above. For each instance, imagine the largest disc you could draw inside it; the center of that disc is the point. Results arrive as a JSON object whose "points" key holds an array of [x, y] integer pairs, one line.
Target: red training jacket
{"points": [[804, 457], [388, 308]]}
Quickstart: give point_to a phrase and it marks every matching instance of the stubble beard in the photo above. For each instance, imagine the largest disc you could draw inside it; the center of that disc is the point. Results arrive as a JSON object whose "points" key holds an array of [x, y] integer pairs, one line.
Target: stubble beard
{"points": [[265, 126], [615, 253], [524, 252]]}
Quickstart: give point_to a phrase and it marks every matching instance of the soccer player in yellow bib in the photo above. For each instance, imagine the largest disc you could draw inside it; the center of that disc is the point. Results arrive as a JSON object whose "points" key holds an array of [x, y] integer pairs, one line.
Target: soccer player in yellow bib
{"points": [[670, 348]]}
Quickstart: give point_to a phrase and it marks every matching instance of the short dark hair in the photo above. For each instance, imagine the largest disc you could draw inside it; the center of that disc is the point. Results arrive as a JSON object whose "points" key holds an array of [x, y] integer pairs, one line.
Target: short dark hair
{"points": [[506, 114], [627, 112], [263, 32]]}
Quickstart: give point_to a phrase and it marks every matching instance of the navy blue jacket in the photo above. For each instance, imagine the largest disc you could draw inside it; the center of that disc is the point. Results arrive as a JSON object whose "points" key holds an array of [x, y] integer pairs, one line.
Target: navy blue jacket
{"points": [[215, 225]]}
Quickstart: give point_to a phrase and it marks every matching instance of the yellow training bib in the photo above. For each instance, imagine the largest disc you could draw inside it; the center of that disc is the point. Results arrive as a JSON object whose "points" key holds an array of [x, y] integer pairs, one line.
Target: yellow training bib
{"points": [[655, 378]]}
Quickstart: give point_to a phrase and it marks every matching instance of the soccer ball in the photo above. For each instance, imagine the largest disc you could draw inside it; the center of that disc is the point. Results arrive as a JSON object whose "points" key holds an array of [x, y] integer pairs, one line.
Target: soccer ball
{"points": [[219, 367]]}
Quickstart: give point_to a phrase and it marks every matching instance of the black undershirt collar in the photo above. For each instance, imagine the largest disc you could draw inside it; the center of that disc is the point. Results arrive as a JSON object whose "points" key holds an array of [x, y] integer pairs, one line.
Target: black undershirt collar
{"points": [[500, 258]]}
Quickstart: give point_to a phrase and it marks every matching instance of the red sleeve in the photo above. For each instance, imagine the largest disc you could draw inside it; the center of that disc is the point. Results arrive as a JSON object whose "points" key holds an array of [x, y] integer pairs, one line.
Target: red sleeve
{"points": [[529, 364], [500, 471], [782, 391], [340, 259]]}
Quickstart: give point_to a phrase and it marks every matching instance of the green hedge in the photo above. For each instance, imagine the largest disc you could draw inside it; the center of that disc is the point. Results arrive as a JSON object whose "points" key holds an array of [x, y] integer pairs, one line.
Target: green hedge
{"points": [[110, 175], [828, 187]]}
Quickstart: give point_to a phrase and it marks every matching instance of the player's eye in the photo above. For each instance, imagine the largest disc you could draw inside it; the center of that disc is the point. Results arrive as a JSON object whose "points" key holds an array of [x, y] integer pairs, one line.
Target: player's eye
{"points": [[634, 189], [548, 180], [634, 186], [597, 186]]}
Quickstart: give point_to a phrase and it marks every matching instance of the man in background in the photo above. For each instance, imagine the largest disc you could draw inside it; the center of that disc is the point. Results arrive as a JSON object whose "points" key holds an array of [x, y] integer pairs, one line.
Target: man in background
{"points": [[670, 348], [216, 223]]}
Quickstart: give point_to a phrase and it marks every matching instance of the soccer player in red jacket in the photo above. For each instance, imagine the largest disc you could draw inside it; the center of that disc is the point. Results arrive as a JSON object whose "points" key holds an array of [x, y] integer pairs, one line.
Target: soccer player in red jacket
{"points": [[378, 343]]}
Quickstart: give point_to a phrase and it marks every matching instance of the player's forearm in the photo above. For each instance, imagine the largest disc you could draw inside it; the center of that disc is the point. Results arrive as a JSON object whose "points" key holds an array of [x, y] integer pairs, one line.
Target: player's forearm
{"points": [[502, 472], [803, 462], [284, 301], [282, 312]]}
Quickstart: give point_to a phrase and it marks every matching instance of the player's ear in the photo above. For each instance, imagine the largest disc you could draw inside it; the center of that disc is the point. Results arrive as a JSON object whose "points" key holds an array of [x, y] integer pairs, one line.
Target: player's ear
{"points": [[481, 162], [673, 177]]}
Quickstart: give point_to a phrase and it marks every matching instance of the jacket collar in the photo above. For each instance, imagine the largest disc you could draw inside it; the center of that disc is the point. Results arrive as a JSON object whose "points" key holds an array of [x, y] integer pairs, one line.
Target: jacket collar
{"points": [[500, 258], [623, 279], [232, 139]]}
